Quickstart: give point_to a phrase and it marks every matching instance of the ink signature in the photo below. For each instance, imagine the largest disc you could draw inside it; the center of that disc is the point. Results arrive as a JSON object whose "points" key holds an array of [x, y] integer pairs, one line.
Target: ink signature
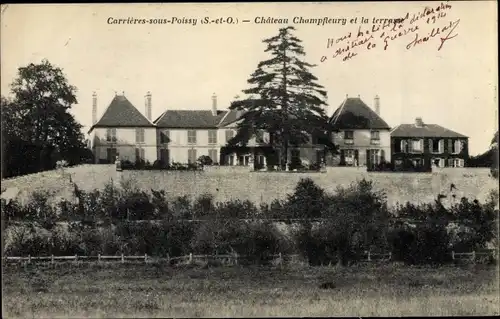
{"points": [[435, 32]]}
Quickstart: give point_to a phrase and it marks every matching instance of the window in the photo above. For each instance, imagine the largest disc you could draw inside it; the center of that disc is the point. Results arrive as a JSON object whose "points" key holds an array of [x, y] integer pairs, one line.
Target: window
{"points": [[436, 147], [418, 162], [457, 147], [212, 137], [348, 135], [139, 135], [259, 137], [139, 154], [192, 156], [350, 157], [375, 157], [229, 135], [295, 156], [417, 146], [111, 154], [111, 135], [213, 155], [438, 162], [403, 146], [375, 135], [164, 137], [456, 162], [191, 137], [349, 153]]}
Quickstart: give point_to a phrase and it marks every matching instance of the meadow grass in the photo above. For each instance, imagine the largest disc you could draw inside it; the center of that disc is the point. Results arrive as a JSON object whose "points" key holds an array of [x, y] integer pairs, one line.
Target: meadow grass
{"points": [[154, 290]]}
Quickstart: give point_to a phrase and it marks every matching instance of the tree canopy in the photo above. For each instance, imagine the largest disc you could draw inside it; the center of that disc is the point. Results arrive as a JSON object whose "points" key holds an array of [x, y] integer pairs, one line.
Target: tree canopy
{"points": [[284, 98], [37, 127]]}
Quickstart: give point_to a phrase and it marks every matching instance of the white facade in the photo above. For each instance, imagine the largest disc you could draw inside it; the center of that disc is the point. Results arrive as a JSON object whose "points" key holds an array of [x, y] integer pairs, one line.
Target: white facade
{"points": [[363, 140], [125, 143]]}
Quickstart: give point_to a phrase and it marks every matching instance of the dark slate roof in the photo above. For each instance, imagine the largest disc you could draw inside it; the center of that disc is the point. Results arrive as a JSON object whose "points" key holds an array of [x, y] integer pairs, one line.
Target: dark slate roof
{"points": [[427, 130], [189, 119], [122, 113], [231, 117], [353, 113]]}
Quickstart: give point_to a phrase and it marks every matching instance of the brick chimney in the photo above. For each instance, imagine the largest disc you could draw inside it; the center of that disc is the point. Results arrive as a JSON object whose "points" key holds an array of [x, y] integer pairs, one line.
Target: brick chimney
{"points": [[419, 122], [377, 104], [94, 108], [148, 105], [214, 104]]}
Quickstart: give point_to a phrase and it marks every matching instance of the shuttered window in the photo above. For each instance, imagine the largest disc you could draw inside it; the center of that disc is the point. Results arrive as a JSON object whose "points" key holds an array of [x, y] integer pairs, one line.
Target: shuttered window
{"points": [[191, 136], [139, 154], [139, 135], [212, 137], [192, 156], [213, 155]]}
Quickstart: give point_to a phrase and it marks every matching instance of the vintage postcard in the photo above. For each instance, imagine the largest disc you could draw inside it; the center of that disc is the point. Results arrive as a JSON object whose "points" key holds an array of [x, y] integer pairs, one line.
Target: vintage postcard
{"points": [[250, 159]]}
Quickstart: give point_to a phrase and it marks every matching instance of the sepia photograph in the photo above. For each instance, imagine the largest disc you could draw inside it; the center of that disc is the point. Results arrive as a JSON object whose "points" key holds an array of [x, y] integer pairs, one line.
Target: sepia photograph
{"points": [[277, 159]]}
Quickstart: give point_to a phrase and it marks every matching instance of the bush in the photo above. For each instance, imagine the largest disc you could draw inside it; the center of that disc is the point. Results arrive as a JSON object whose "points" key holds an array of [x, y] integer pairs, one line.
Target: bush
{"points": [[307, 201], [205, 160], [357, 221], [426, 243], [204, 206], [182, 208], [381, 167], [236, 209], [254, 242]]}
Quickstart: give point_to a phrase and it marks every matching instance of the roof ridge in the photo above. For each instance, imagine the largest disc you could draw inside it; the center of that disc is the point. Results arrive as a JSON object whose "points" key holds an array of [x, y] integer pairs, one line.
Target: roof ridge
{"points": [[224, 117], [121, 101], [340, 111], [395, 128], [159, 117]]}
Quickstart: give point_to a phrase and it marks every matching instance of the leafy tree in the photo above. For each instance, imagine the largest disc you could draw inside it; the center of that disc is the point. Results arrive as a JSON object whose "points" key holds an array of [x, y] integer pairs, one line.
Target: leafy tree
{"points": [[40, 128], [494, 155], [284, 99]]}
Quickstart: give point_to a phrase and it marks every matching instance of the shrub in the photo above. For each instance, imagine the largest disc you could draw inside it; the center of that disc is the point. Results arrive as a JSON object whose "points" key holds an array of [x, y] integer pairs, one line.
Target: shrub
{"points": [[254, 242], [13, 210], [159, 164], [205, 160], [136, 205], [478, 221], [275, 210], [307, 201], [427, 243], [41, 210], [357, 221], [236, 209], [160, 205], [182, 208], [204, 206]]}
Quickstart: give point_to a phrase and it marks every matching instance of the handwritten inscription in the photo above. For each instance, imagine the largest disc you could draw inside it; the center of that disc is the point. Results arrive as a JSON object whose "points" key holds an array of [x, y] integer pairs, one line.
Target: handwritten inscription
{"points": [[417, 28], [446, 30]]}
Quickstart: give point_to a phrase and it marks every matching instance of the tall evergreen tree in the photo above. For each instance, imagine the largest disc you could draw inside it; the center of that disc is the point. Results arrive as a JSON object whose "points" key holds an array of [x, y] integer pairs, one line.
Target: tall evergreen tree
{"points": [[285, 99]]}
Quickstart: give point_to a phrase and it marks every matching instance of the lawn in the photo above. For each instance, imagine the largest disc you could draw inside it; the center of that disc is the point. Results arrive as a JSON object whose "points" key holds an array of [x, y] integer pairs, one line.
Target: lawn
{"points": [[153, 290]]}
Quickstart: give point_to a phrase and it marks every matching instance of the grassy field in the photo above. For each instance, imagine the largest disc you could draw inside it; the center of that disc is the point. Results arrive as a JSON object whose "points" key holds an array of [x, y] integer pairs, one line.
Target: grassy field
{"points": [[150, 290], [231, 183]]}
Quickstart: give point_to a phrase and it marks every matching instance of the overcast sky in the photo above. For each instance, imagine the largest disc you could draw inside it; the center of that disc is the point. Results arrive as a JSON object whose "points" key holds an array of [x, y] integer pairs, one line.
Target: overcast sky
{"points": [[183, 64]]}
